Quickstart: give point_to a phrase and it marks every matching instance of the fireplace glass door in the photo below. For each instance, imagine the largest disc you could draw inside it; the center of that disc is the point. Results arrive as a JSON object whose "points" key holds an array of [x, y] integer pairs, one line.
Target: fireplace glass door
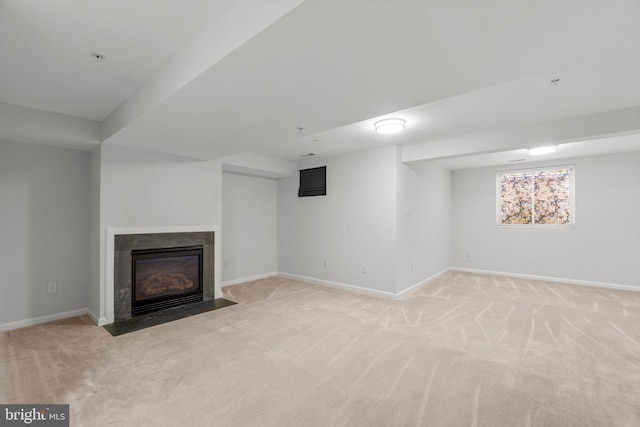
{"points": [[165, 277]]}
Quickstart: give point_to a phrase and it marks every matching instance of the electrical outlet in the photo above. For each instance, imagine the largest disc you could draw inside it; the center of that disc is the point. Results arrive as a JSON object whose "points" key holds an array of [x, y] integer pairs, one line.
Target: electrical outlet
{"points": [[411, 266], [326, 263], [467, 254], [52, 288], [364, 268]]}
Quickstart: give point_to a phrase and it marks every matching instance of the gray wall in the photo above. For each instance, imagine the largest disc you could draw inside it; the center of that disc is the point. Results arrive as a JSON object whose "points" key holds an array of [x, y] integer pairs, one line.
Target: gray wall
{"points": [[603, 247], [44, 223], [249, 227], [354, 224], [393, 217], [56, 203], [93, 298], [424, 223], [140, 188]]}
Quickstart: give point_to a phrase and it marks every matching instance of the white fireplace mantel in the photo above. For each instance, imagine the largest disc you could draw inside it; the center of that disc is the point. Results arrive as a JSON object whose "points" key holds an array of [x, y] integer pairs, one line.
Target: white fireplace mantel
{"points": [[107, 287]]}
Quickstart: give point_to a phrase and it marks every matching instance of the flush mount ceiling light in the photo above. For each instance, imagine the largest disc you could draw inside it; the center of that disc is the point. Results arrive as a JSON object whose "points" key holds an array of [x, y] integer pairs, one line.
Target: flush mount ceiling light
{"points": [[538, 151], [389, 126]]}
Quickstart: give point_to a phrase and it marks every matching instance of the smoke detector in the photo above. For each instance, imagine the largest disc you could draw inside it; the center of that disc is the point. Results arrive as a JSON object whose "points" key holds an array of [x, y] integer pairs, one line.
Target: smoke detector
{"points": [[98, 57]]}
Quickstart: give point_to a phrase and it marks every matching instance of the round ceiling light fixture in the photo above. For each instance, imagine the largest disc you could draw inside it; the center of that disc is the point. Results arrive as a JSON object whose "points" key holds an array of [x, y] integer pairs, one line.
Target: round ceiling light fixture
{"points": [[390, 126], [538, 151]]}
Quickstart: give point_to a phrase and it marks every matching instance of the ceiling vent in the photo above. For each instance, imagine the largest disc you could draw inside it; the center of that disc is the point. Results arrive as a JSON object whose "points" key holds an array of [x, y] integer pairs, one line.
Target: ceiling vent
{"points": [[308, 155]]}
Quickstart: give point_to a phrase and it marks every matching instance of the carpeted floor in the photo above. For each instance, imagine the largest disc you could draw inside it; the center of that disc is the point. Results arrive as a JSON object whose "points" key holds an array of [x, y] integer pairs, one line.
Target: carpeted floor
{"points": [[465, 350]]}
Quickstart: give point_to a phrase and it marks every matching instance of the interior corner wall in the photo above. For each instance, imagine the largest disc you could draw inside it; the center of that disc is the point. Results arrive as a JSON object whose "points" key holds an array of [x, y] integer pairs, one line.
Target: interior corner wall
{"points": [[424, 222], [95, 250], [353, 226], [44, 220], [604, 246], [249, 233], [147, 189]]}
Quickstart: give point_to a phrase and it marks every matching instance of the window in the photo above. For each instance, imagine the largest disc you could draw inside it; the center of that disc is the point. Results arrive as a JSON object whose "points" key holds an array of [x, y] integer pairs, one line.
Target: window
{"points": [[536, 197], [313, 182]]}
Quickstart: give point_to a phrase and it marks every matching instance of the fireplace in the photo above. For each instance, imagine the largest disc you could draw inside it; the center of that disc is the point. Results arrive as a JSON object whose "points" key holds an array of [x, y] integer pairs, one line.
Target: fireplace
{"points": [[157, 270], [163, 278]]}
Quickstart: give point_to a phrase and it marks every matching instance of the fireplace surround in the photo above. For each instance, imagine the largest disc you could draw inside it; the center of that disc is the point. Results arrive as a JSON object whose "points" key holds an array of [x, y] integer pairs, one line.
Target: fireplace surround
{"points": [[180, 249]]}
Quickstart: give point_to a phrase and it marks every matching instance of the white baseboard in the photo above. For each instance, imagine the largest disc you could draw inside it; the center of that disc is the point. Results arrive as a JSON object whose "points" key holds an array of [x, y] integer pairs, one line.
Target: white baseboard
{"points": [[100, 321], [421, 283], [367, 291], [247, 279], [93, 316], [104, 321], [43, 319], [338, 285], [550, 279]]}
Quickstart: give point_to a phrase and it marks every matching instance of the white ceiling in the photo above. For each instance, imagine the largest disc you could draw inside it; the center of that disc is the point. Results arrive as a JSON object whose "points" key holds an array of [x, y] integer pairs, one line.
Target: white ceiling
{"points": [[45, 48], [520, 158], [470, 77]]}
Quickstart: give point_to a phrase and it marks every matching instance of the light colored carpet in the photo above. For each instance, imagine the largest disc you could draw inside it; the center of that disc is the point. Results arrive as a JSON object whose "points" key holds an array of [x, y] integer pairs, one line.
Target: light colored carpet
{"points": [[466, 350]]}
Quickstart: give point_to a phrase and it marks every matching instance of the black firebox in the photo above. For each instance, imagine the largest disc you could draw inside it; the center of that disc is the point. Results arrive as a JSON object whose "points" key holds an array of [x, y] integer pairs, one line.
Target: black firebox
{"points": [[165, 277]]}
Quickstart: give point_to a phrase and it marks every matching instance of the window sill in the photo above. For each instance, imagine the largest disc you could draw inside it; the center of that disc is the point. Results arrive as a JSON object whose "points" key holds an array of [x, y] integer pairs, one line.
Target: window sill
{"points": [[539, 226]]}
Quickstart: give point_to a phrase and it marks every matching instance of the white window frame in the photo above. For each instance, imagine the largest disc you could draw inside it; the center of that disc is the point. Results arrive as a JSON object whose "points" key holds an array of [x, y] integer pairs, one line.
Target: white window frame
{"points": [[572, 197]]}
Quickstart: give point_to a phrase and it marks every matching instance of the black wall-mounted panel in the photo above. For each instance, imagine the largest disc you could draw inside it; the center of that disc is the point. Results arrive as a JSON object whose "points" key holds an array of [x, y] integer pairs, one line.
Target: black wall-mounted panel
{"points": [[313, 182]]}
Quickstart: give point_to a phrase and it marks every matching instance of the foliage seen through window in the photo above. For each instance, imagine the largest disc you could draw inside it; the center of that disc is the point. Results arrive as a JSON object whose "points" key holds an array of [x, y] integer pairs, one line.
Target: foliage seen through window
{"points": [[536, 197]]}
